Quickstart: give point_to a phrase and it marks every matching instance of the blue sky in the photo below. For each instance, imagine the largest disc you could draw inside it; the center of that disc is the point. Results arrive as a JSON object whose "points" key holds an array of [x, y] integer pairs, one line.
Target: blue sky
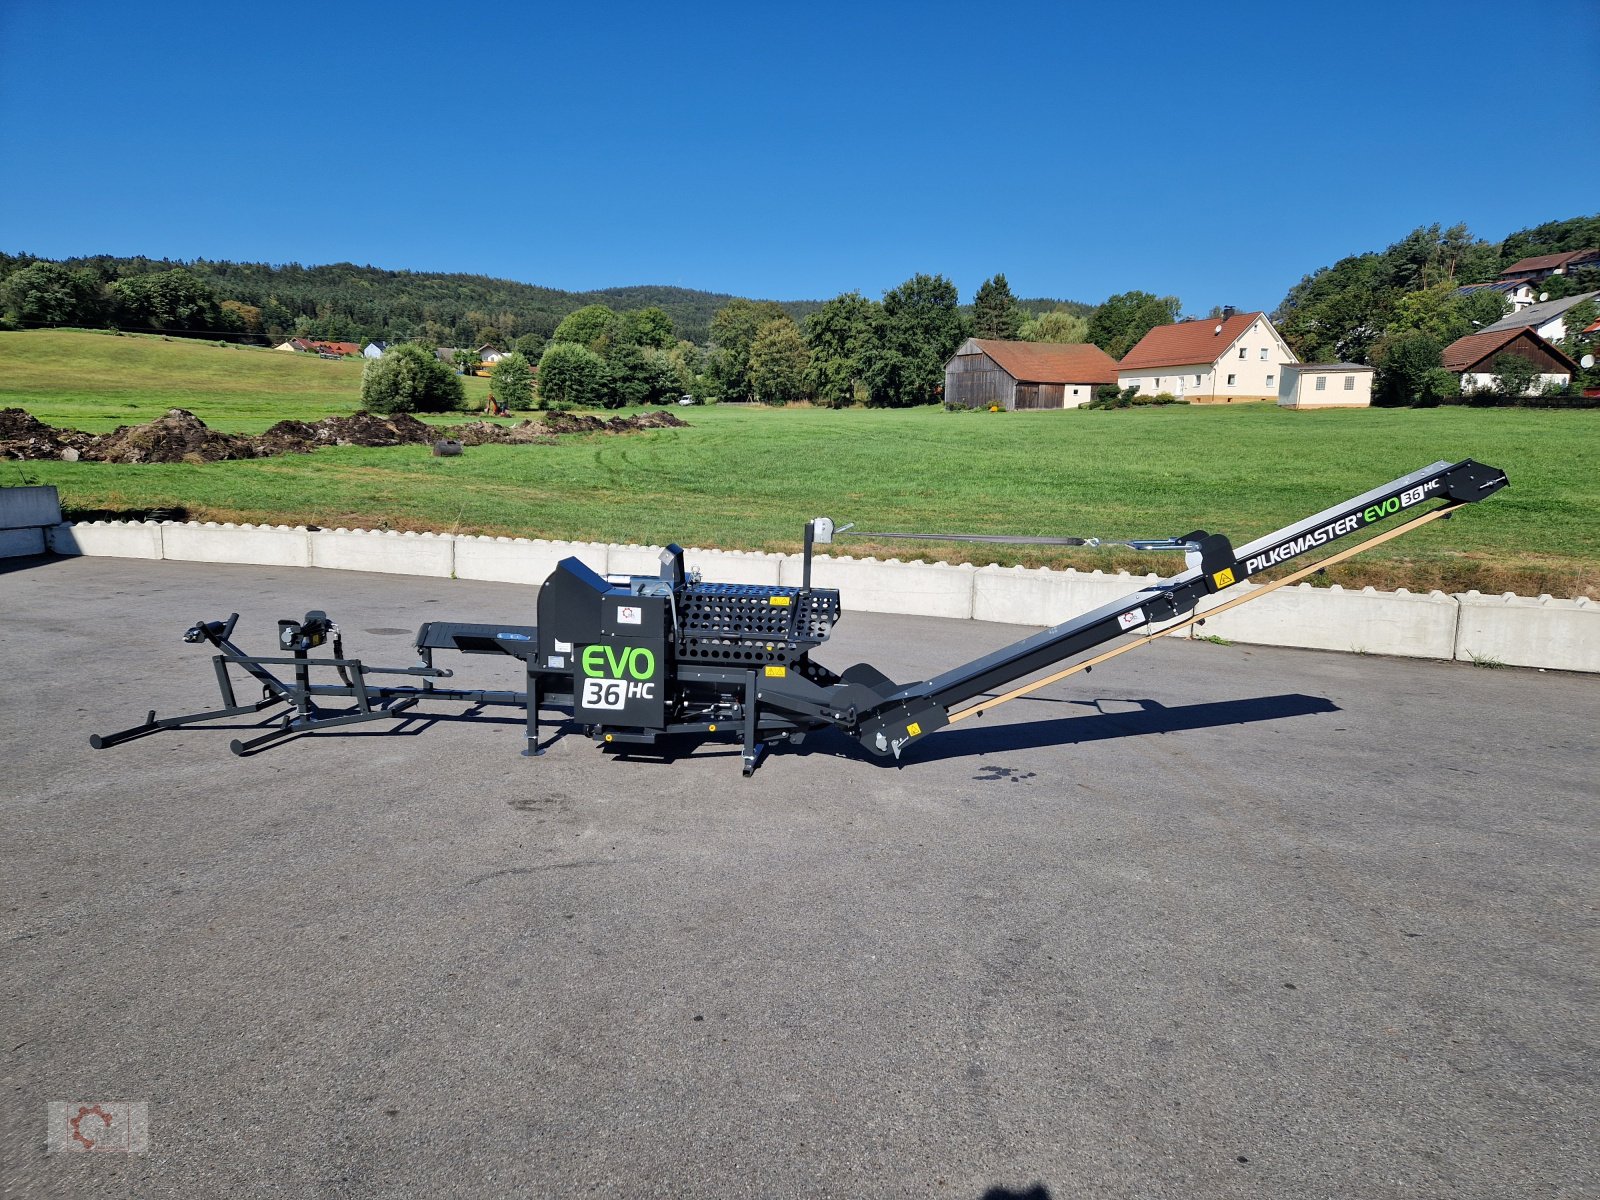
{"points": [[1217, 151]]}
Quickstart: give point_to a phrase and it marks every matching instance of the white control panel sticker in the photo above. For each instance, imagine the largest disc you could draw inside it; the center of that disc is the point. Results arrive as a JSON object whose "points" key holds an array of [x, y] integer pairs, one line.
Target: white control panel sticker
{"points": [[628, 614]]}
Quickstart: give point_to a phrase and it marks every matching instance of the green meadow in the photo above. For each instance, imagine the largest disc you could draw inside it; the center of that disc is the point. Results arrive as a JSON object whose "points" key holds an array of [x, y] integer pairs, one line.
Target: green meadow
{"points": [[749, 477]]}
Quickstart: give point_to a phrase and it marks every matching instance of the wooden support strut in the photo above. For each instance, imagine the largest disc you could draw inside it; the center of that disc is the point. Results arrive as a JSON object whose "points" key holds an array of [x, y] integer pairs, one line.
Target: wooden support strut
{"points": [[974, 710]]}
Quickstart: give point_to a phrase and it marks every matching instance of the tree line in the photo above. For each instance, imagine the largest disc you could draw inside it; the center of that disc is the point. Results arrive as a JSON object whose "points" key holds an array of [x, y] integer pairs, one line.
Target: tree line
{"points": [[258, 302], [1393, 309]]}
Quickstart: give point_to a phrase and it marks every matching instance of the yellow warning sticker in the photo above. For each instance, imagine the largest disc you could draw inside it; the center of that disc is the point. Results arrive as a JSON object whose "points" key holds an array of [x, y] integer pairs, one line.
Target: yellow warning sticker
{"points": [[1224, 578], [914, 730], [778, 601], [777, 672]]}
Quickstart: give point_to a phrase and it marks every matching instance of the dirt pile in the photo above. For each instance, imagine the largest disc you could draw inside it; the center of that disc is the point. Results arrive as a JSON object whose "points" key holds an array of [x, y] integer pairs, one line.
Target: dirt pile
{"points": [[180, 436], [22, 435], [565, 422], [487, 433], [358, 429], [647, 420]]}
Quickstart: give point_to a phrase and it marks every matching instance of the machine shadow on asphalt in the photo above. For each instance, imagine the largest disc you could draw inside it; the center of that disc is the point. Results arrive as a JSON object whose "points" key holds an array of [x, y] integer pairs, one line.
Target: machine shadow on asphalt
{"points": [[1152, 717]]}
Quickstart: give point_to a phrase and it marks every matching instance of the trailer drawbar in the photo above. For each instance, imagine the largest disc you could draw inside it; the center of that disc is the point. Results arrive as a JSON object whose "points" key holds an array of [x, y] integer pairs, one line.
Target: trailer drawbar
{"points": [[638, 659]]}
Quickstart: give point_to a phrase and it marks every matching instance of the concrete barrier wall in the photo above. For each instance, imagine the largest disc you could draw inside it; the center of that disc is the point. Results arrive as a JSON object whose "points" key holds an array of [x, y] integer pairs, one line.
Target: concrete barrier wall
{"points": [[29, 507], [735, 566], [115, 539], [1028, 596], [1515, 630], [26, 513], [255, 545], [870, 585], [1523, 632], [14, 543], [389, 553], [520, 560], [1366, 621]]}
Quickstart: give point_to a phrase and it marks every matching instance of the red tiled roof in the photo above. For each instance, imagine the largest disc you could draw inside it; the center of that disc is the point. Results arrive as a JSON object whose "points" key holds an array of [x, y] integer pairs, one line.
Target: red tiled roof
{"points": [[1051, 362], [338, 347], [1189, 343], [1547, 262], [1465, 353]]}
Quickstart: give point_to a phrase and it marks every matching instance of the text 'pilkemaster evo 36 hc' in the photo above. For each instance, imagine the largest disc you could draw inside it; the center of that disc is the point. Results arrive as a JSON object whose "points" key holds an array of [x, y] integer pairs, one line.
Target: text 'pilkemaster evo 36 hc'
{"points": [[637, 659]]}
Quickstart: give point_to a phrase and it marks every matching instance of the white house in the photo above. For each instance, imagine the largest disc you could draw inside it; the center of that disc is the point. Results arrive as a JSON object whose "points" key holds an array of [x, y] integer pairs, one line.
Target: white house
{"points": [[1520, 292], [1229, 361], [1325, 385], [374, 349], [1548, 320]]}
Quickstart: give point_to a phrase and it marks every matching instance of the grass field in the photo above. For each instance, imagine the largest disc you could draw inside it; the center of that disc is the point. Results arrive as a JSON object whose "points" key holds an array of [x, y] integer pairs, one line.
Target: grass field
{"points": [[97, 381], [748, 478]]}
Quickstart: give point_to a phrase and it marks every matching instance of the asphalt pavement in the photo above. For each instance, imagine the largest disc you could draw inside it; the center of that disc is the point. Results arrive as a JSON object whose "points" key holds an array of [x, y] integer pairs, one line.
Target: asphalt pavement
{"points": [[1209, 921]]}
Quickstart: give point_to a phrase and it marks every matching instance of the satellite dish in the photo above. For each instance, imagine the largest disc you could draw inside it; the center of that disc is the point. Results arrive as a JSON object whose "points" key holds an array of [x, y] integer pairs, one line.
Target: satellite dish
{"points": [[1586, 361], [1218, 329], [1543, 296]]}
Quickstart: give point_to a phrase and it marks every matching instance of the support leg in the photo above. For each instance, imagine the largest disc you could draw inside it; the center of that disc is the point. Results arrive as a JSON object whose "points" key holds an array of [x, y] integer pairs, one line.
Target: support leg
{"points": [[752, 748], [535, 697]]}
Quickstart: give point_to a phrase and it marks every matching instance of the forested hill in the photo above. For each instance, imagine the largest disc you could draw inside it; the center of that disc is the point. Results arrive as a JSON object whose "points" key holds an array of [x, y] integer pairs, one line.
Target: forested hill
{"points": [[345, 302]]}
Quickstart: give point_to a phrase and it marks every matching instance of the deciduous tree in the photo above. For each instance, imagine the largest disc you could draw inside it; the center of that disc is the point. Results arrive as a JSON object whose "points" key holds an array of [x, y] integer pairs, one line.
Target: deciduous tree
{"points": [[649, 327], [913, 336], [778, 362], [837, 335], [1126, 317], [172, 300], [512, 381], [410, 379], [46, 293], [570, 375], [1060, 327], [1514, 375], [1406, 369], [733, 332], [592, 325]]}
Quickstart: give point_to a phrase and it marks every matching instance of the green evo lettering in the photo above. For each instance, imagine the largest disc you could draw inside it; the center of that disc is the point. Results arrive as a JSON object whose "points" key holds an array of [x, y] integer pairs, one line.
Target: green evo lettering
{"points": [[1379, 511], [611, 662]]}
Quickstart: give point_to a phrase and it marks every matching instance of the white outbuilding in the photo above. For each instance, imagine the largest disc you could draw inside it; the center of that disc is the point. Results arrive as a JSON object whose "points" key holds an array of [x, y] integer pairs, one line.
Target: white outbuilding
{"points": [[1325, 385]]}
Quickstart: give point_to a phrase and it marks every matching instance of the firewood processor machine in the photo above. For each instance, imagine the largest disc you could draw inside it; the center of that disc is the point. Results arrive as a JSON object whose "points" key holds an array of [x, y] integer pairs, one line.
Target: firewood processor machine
{"points": [[639, 659]]}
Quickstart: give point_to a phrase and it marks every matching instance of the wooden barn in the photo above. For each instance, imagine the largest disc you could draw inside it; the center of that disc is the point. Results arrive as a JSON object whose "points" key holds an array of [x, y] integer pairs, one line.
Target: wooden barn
{"points": [[1025, 375], [1474, 356]]}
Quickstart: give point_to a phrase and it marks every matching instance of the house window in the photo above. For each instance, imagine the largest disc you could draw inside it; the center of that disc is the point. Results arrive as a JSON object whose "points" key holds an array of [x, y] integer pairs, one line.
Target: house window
{"points": [[1349, 383], [1322, 383], [1263, 354], [1231, 378], [1269, 380], [1242, 353], [1197, 381], [1158, 381]]}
